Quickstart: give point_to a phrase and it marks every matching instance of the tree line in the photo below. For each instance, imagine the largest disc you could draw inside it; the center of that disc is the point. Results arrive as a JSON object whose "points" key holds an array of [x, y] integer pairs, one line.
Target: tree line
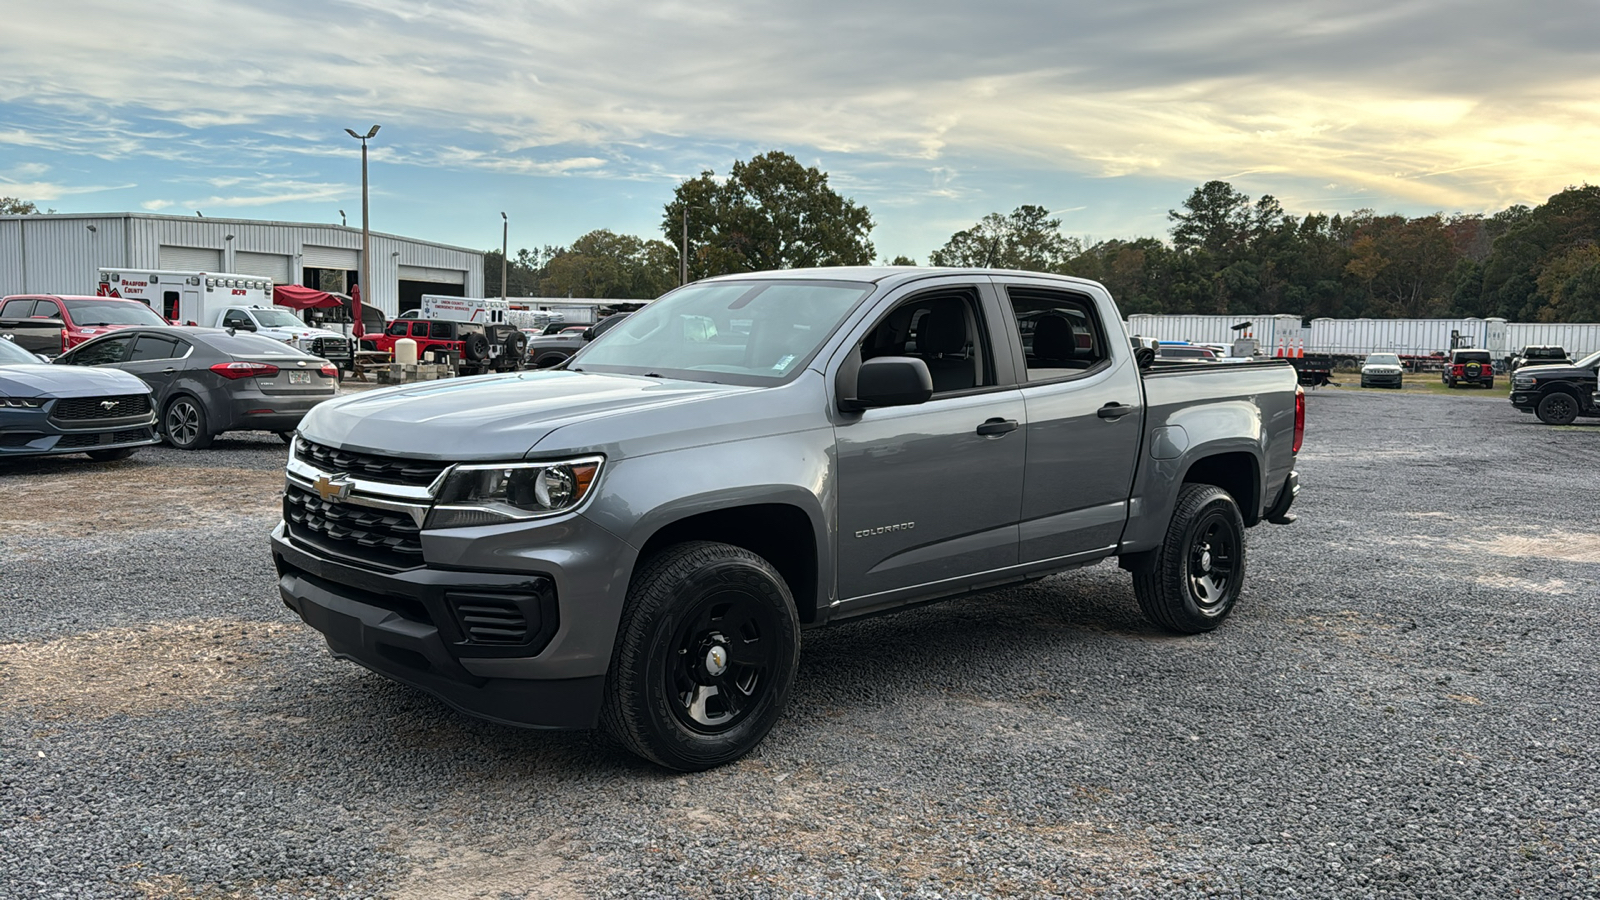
{"points": [[1226, 253]]}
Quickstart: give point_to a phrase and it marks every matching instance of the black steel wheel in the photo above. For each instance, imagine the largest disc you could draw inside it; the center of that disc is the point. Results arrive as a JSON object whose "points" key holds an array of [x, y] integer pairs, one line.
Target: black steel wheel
{"points": [[184, 424], [705, 659], [1192, 581], [1558, 408]]}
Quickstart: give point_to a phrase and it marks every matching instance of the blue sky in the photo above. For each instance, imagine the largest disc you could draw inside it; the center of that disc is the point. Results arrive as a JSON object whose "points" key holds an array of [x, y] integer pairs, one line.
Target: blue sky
{"points": [[576, 115]]}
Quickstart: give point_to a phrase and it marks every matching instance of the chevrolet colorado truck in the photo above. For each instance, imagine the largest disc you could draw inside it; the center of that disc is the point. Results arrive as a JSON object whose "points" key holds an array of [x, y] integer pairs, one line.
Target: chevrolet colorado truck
{"points": [[637, 538]]}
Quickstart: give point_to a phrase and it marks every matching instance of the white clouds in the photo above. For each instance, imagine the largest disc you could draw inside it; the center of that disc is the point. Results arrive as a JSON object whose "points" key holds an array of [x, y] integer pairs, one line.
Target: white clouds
{"points": [[1459, 105]]}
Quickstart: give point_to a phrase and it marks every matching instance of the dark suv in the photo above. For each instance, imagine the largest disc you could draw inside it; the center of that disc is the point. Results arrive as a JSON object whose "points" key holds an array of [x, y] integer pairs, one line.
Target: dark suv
{"points": [[1469, 367]]}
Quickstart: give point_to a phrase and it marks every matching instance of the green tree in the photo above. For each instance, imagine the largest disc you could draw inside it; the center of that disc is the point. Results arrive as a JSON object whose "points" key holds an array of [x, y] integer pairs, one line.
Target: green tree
{"points": [[1404, 264], [15, 206], [1027, 239], [606, 264], [769, 213]]}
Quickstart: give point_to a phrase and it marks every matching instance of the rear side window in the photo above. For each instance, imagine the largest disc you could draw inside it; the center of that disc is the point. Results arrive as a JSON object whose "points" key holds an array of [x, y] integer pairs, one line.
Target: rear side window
{"points": [[17, 309], [440, 331], [1062, 335], [153, 346], [419, 329]]}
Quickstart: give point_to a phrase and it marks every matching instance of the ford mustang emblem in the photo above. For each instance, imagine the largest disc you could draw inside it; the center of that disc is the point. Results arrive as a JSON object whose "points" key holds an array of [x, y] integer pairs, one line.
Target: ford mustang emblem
{"points": [[332, 489], [108, 404]]}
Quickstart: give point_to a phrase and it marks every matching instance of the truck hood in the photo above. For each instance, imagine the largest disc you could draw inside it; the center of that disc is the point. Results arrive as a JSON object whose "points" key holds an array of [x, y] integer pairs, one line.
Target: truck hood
{"points": [[488, 417], [1555, 371], [298, 333], [67, 381]]}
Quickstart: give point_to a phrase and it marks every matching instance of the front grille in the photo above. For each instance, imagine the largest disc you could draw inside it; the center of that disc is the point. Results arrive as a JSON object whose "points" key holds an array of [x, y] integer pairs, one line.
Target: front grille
{"points": [[69, 441], [331, 348], [387, 469], [360, 533], [74, 409], [125, 436]]}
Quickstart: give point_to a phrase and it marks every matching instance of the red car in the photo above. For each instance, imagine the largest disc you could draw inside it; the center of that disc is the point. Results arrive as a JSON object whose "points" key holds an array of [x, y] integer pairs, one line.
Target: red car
{"points": [[1469, 367], [52, 324]]}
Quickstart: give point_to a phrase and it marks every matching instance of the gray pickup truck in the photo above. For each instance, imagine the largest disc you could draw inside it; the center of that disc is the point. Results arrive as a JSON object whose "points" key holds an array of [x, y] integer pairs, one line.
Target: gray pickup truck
{"points": [[635, 540]]}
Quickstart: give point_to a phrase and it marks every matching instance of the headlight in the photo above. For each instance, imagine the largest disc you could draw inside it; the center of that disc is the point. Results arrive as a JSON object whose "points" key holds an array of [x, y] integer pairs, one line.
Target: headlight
{"points": [[492, 494], [21, 402]]}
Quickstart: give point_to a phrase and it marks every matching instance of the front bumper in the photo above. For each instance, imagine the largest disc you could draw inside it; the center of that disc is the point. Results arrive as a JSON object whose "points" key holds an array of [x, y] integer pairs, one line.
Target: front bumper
{"points": [[409, 626], [1527, 401], [1382, 379], [35, 433]]}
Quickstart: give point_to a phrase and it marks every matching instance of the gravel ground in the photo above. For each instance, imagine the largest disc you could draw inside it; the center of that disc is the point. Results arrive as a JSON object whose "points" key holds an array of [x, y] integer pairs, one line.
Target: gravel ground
{"points": [[1404, 705]]}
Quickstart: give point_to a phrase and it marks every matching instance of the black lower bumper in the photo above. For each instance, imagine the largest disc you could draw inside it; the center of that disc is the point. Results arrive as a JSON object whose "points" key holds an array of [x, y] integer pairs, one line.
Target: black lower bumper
{"points": [[407, 626]]}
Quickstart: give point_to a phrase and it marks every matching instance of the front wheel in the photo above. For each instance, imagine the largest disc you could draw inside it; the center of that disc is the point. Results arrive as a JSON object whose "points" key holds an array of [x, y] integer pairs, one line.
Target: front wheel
{"points": [[1558, 409], [1191, 582], [185, 424], [705, 658]]}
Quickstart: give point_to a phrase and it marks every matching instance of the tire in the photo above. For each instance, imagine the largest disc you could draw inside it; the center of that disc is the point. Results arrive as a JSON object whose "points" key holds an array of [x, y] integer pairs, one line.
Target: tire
{"points": [[184, 424], [517, 346], [1489, 384], [112, 455], [550, 359], [1206, 533], [1557, 408], [286, 436], [664, 691], [1364, 383], [475, 348]]}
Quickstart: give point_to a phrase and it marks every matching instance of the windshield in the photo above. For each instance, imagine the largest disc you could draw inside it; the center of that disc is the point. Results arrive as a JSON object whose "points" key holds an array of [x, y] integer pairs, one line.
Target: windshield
{"points": [[1382, 359], [12, 355], [89, 313], [277, 318], [1589, 362], [734, 332]]}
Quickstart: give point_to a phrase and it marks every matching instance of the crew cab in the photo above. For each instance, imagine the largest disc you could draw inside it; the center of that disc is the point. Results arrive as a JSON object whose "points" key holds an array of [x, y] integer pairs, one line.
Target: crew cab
{"points": [[1558, 395], [52, 324], [637, 539], [471, 346], [554, 349], [1469, 367]]}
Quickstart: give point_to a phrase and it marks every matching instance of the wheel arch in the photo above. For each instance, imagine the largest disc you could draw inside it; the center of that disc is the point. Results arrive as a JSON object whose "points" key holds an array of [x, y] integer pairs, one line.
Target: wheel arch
{"points": [[782, 533], [1236, 471]]}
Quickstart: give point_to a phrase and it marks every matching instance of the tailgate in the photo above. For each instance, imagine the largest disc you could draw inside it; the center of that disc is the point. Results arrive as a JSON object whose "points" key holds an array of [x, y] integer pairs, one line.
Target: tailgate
{"points": [[297, 376]]}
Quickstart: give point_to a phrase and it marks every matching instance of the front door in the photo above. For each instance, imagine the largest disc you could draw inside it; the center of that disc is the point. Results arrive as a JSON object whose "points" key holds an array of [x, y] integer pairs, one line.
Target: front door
{"points": [[924, 497]]}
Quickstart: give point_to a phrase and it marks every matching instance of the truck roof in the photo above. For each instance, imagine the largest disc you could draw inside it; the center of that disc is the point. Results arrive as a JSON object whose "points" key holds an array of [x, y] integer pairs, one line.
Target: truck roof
{"points": [[887, 274]]}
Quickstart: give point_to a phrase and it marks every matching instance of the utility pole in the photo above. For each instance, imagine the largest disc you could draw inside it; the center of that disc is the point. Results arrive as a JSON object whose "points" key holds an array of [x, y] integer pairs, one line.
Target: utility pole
{"points": [[505, 244], [366, 231], [683, 257]]}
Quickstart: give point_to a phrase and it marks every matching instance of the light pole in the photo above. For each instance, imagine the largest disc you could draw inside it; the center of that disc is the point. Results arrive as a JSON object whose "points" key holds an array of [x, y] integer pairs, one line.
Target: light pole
{"points": [[683, 255], [366, 232], [505, 243]]}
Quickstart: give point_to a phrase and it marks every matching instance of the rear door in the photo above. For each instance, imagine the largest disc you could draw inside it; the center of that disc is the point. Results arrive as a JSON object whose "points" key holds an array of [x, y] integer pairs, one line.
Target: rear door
{"points": [[928, 494], [156, 359], [1081, 389]]}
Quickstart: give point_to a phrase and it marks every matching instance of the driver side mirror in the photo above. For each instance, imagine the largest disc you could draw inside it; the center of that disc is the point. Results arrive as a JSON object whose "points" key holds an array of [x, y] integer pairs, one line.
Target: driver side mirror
{"points": [[889, 381], [1144, 351], [588, 333]]}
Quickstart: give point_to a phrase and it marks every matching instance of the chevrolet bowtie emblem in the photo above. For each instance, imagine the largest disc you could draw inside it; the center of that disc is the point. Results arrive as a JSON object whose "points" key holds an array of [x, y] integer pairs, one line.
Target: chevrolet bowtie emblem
{"points": [[332, 489]]}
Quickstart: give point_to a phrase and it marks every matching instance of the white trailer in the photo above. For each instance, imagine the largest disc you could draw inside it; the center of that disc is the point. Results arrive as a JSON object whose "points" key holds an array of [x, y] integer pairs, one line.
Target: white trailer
{"points": [[1577, 338], [1272, 333], [1406, 337]]}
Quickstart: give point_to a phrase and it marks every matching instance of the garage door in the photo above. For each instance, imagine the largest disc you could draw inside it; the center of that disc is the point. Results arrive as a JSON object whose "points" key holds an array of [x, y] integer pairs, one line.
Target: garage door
{"points": [[315, 257], [267, 265], [190, 259], [437, 276]]}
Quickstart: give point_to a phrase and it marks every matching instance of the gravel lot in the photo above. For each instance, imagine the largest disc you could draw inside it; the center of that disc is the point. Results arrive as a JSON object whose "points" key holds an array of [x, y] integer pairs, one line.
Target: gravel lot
{"points": [[1404, 705]]}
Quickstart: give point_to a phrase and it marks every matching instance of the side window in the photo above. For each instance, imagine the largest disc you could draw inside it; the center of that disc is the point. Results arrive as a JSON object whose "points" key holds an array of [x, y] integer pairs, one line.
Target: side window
{"points": [[398, 329], [47, 309], [169, 305], [1062, 334], [153, 346], [101, 353], [17, 309], [419, 329], [943, 329], [440, 331]]}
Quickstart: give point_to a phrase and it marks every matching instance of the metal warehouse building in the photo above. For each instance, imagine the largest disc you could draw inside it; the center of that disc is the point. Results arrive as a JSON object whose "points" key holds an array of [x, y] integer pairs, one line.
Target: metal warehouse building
{"points": [[64, 253]]}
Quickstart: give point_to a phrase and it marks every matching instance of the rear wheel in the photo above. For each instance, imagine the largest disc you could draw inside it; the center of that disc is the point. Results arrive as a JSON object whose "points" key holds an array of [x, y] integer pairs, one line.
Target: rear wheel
{"points": [[1558, 409], [705, 658], [185, 426], [112, 455], [1191, 582]]}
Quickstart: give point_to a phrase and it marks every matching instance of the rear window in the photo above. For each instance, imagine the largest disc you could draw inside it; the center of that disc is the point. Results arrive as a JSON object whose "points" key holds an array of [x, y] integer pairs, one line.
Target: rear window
{"points": [[89, 313], [1472, 356], [244, 344], [1544, 353]]}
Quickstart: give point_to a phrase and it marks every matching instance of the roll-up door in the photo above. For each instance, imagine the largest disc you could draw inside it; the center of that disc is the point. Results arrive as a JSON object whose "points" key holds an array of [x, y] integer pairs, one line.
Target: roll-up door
{"points": [[267, 265], [190, 259], [437, 276], [314, 257]]}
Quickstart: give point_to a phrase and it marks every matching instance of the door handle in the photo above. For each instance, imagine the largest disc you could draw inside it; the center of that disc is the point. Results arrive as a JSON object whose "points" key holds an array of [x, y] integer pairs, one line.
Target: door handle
{"points": [[1114, 410], [168, 370], [997, 427]]}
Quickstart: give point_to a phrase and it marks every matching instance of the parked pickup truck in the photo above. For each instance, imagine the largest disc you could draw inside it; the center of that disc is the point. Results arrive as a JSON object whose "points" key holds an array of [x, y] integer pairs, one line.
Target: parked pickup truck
{"points": [[52, 324], [636, 539], [1558, 394]]}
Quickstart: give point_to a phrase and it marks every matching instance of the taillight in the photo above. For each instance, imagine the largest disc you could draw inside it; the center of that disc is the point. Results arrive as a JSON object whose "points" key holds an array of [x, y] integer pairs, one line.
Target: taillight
{"points": [[330, 370], [1299, 417], [245, 370]]}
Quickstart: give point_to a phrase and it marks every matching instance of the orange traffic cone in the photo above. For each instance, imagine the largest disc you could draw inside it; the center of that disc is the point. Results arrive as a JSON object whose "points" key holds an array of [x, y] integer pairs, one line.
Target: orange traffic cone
{"points": [[1280, 348]]}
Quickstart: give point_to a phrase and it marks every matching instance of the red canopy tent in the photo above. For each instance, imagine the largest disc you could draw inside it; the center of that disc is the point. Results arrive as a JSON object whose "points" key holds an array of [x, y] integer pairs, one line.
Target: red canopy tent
{"points": [[296, 297]]}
